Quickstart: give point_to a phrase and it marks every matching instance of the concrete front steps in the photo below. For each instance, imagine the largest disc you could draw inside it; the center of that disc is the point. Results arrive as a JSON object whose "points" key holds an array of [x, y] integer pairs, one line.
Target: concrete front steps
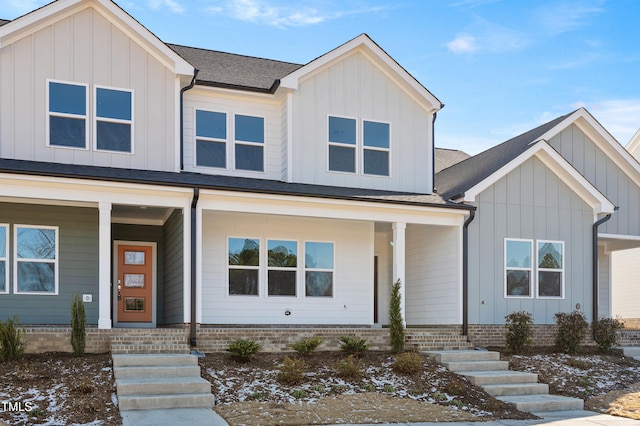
{"points": [[484, 369], [631, 351], [158, 381], [436, 338]]}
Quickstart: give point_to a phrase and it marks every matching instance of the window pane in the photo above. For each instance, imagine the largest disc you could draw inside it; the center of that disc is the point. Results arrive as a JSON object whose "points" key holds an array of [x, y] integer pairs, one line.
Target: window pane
{"points": [[67, 98], [113, 104], [34, 243], [282, 254], [549, 284], [3, 276], [319, 284], [244, 252], [550, 255], [318, 255], [134, 257], [36, 277], [342, 159], [211, 154], [376, 134], [134, 304], [3, 241], [211, 124], [342, 130], [376, 162], [518, 283], [282, 283], [249, 157], [518, 254], [249, 129], [65, 131], [114, 136], [243, 281]]}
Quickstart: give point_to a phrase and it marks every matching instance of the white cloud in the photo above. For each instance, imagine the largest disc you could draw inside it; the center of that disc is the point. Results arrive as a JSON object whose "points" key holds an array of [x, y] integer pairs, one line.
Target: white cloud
{"points": [[621, 117], [561, 17], [463, 43], [487, 37], [170, 5]]}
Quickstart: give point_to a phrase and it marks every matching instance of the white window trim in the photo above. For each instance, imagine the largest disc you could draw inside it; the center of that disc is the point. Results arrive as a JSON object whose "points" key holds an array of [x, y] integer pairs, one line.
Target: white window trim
{"points": [[49, 114], [263, 145], [305, 269], [5, 259], [55, 261], [226, 141], [295, 269], [373, 148], [254, 268], [531, 269], [561, 270], [95, 119], [343, 145]]}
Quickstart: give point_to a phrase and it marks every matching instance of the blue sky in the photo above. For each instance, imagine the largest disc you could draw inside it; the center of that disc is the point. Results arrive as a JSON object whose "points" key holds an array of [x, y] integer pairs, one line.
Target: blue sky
{"points": [[500, 67]]}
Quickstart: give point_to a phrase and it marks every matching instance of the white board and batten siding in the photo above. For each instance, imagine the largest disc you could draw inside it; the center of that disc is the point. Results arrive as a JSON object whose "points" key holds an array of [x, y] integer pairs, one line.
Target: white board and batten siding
{"points": [[231, 103], [531, 202], [434, 278], [354, 87], [352, 301], [625, 273], [86, 48]]}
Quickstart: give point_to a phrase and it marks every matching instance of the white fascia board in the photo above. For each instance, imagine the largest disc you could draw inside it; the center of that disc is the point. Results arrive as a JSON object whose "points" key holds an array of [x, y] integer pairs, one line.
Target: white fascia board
{"points": [[38, 19], [292, 80], [634, 145], [602, 138], [329, 208], [559, 166]]}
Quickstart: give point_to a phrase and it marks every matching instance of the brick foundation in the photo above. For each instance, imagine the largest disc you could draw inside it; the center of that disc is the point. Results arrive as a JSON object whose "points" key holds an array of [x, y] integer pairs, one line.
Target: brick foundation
{"points": [[631, 323], [494, 335]]}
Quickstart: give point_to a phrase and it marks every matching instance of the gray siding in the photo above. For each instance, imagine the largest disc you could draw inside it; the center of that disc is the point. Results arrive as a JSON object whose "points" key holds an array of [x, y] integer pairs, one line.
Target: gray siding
{"points": [[532, 203], [604, 174], [173, 300], [78, 263]]}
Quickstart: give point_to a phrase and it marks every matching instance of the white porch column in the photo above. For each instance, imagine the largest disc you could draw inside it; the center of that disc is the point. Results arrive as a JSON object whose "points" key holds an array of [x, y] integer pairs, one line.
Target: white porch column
{"points": [[399, 262], [186, 255], [104, 266]]}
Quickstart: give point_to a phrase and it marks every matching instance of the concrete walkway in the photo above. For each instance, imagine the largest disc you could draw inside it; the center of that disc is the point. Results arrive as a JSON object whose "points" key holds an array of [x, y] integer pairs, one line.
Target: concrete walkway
{"points": [[206, 417]]}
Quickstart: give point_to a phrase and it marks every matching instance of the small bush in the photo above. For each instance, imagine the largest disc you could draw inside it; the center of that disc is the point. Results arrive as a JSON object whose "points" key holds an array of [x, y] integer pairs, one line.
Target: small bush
{"points": [[369, 387], [242, 350], [349, 367], [78, 322], [607, 333], [83, 387], [299, 393], [306, 345], [396, 323], [519, 334], [291, 371], [456, 387], [572, 329], [12, 345], [579, 364], [353, 345], [408, 363], [456, 403], [388, 388], [439, 396]]}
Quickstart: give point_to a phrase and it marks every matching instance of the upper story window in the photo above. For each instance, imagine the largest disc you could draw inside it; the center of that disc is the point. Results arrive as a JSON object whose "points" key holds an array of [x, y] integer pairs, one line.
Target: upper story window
{"points": [[211, 139], [36, 262], [249, 143], [4, 254], [551, 269], [345, 149], [114, 119], [67, 115]]}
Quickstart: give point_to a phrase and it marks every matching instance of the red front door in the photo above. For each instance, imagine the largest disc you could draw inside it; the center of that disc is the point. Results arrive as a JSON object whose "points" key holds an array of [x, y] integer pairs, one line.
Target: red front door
{"points": [[135, 286]]}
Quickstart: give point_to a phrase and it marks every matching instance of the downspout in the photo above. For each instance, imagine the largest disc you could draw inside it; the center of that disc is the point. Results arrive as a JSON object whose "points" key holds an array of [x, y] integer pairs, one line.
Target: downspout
{"points": [[184, 89], [433, 151], [465, 272], [194, 230], [594, 272]]}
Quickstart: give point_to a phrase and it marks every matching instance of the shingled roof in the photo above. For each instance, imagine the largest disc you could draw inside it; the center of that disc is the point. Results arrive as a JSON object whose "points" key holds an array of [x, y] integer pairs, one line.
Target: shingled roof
{"points": [[446, 157], [457, 179], [3, 21], [235, 71]]}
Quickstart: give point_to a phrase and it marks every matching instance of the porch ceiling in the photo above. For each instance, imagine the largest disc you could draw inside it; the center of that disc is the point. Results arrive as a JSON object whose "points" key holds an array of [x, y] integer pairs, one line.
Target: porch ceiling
{"points": [[139, 214], [612, 243]]}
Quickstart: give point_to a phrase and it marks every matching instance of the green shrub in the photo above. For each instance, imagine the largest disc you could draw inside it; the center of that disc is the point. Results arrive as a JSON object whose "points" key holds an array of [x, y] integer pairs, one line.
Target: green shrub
{"points": [[519, 333], [388, 388], [408, 363], [349, 367], [12, 345], [606, 335], [353, 345], [242, 350], [78, 322], [571, 331], [291, 371], [306, 345], [396, 323], [299, 393]]}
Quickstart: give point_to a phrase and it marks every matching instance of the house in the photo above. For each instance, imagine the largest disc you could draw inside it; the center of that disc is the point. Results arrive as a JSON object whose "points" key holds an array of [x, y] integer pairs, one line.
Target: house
{"points": [[552, 204], [173, 186], [186, 192]]}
